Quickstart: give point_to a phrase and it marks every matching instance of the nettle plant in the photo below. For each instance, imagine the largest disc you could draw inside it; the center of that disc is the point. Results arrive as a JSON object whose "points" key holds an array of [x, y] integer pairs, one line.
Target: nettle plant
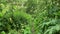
{"points": [[12, 18]]}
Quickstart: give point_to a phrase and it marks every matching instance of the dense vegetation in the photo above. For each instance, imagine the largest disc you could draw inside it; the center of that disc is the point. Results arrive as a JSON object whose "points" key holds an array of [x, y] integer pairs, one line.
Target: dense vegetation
{"points": [[29, 16]]}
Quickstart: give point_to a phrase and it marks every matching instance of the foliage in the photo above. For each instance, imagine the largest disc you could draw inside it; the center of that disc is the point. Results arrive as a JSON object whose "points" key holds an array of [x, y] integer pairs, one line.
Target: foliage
{"points": [[29, 17]]}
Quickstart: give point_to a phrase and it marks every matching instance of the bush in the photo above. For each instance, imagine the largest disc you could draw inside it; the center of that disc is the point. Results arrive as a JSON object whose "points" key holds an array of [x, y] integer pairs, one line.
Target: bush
{"points": [[29, 17]]}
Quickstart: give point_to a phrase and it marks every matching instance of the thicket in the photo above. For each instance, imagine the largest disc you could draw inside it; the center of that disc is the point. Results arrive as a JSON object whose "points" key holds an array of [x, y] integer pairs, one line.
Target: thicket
{"points": [[29, 16]]}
